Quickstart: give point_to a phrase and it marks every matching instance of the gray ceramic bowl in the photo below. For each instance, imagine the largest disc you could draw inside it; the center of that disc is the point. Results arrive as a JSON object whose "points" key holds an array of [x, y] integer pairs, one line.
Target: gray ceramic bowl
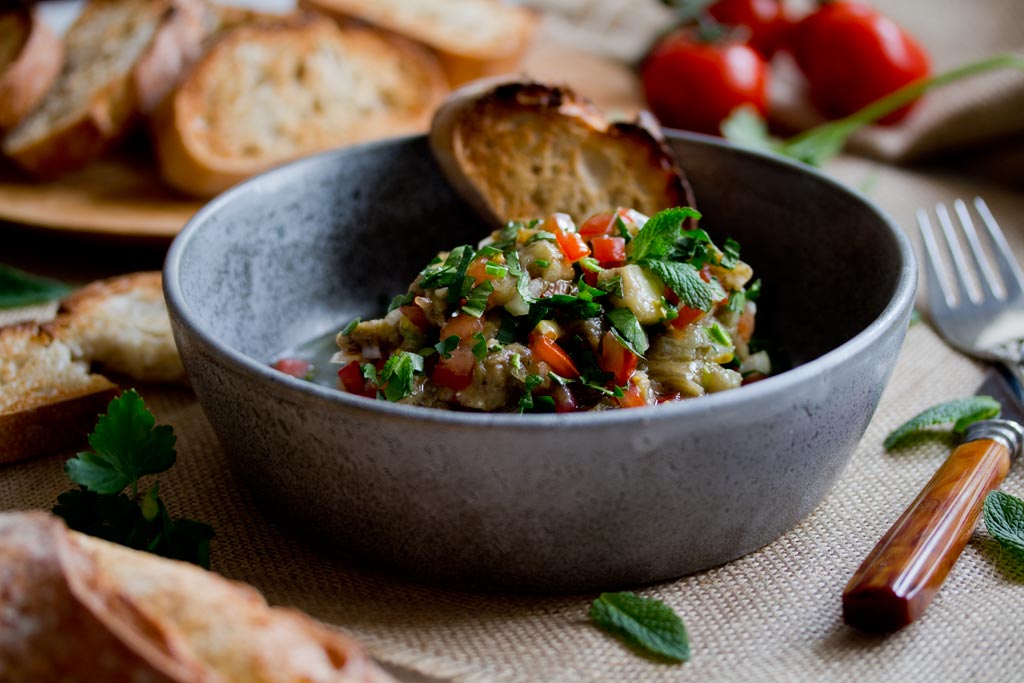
{"points": [[535, 502]]}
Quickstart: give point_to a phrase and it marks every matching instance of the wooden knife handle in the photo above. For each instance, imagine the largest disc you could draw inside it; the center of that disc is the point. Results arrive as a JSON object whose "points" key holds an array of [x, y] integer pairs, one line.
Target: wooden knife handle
{"points": [[898, 579]]}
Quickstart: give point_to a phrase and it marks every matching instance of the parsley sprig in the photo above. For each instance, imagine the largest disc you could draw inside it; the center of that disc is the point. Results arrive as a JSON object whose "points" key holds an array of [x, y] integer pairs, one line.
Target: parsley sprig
{"points": [[126, 446]]}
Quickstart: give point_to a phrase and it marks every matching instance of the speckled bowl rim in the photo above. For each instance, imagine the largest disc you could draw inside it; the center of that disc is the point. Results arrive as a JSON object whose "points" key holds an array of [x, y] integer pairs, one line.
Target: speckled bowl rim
{"points": [[736, 399]]}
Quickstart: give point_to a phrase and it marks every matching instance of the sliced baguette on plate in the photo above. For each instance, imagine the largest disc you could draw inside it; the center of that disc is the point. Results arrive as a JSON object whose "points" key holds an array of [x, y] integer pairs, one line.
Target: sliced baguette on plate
{"points": [[121, 325], [266, 94], [473, 38], [122, 58], [523, 150], [79, 610], [31, 56], [48, 400]]}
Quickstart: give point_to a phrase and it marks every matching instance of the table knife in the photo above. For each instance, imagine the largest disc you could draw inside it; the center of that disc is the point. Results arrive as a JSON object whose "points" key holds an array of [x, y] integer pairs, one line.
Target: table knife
{"points": [[904, 571]]}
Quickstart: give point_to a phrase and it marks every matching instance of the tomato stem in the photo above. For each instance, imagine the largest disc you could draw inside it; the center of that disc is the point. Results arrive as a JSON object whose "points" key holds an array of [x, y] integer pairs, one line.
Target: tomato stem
{"points": [[817, 145]]}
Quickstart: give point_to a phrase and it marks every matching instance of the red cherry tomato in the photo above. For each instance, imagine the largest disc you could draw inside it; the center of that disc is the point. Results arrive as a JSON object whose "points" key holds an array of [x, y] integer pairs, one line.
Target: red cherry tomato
{"points": [[694, 85], [852, 55], [767, 20]]}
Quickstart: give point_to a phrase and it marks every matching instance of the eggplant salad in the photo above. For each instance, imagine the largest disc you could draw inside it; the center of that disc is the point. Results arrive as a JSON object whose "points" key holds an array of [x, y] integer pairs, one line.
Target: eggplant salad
{"points": [[623, 311]]}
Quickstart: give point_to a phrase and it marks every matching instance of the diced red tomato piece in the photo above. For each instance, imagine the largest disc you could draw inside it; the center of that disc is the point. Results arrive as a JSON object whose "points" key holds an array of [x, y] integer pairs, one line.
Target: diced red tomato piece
{"points": [[610, 252], [296, 367], [666, 398], [416, 316], [352, 381], [462, 326], [632, 398], [686, 316], [455, 372], [617, 359], [705, 272], [599, 224], [571, 243], [590, 277], [546, 350]]}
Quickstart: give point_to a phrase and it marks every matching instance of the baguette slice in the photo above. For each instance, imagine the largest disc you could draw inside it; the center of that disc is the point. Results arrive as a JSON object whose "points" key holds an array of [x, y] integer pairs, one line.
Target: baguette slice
{"points": [[524, 150], [80, 610], [48, 400], [122, 58], [121, 324], [263, 95], [30, 59], [473, 38]]}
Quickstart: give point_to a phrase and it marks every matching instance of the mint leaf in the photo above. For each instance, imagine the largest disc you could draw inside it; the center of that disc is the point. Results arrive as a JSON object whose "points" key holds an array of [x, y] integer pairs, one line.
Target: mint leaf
{"points": [[659, 234], [730, 253], [125, 446], [397, 374], [962, 412], [18, 288], [686, 282], [645, 623], [628, 331], [1004, 519]]}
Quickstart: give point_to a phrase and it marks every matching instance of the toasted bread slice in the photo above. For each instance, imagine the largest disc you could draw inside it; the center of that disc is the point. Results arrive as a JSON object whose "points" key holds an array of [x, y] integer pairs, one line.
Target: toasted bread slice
{"points": [[525, 150], [473, 38], [121, 324], [48, 400], [122, 58], [264, 95], [78, 609], [30, 59]]}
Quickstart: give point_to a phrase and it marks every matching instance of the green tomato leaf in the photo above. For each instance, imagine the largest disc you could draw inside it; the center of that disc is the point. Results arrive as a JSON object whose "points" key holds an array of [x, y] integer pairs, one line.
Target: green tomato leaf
{"points": [[961, 412], [644, 623], [18, 288], [1004, 519], [628, 331], [659, 234]]}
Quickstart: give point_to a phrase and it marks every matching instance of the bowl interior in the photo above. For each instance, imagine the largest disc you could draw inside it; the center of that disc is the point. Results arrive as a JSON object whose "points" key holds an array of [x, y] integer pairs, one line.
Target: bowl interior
{"points": [[298, 252]]}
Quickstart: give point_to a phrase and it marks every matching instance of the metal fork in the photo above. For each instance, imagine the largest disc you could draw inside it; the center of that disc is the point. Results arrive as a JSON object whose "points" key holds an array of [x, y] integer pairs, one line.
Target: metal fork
{"points": [[988, 324]]}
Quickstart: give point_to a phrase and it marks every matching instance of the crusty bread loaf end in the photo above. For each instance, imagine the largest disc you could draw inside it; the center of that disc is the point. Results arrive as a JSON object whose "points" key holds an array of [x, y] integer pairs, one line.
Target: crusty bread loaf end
{"points": [[35, 59]]}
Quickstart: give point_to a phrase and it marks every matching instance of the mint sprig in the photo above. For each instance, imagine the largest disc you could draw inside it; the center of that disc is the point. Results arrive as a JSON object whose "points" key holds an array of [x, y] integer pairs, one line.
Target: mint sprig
{"points": [[1004, 519], [18, 288], [646, 624], [127, 445], [659, 234], [817, 145], [961, 412]]}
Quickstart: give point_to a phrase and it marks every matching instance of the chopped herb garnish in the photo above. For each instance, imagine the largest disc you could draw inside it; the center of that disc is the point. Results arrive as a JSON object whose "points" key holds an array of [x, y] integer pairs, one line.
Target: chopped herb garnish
{"points": [[397, 374], [658, 236], [623, 229], [541, 263], [476, 304], [447, 345], [754, 290], [737, 301], [347, 330], [452, 273], [480, 347], [628, 331], [730, 253], [590, 264], [685, 281], [612, 285], [401, 300], [541, 236], [495, 269], [719, 335], [369, 373], [526, 402]]}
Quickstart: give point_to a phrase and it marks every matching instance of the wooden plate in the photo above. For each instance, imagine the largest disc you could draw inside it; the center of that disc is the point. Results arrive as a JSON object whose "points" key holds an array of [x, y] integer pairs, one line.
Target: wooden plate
{"points": [[124, 197]]}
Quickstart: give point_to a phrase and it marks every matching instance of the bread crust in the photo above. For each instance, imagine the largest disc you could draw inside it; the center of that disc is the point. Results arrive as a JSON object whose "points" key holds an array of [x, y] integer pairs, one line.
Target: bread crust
{"points": [[190, 166], [24, 81], [116, 105], [96, 611], [477, 138]]}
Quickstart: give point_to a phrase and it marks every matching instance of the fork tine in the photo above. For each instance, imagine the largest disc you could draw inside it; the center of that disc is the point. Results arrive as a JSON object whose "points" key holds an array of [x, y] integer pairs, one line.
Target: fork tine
{"points": [[986, 276], [959, 264], [939, 296], [1009, 269]]}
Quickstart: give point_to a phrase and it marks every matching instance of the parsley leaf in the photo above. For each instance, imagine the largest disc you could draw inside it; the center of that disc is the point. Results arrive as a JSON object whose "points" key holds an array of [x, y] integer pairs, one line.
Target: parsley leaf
{"points": [[476, 304], [730, 253], [446, 346], [451, 273], [658, 236], [18, 288], [644, 623], [125, 446], [351, 326], [1004, 519], [719, 335], [962, 412], [628, 331], [397, 374], [686, 282]]}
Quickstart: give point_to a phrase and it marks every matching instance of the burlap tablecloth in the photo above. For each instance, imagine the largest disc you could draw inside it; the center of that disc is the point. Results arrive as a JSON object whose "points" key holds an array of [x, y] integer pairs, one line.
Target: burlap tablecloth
{"points": [[771, 616]]}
